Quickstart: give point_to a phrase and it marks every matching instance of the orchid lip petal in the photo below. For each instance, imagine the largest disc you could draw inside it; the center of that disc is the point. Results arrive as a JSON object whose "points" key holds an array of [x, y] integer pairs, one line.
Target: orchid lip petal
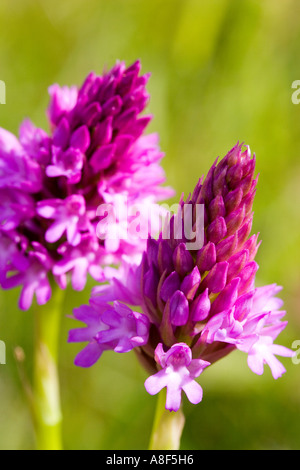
{"points": [[178, 373]]}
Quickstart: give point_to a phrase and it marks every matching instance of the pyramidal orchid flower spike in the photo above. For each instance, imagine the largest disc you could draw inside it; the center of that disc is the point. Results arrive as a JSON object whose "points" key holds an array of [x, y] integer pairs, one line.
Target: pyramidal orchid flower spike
{"points": [[198, 304], [96, 155], [52, 184]]}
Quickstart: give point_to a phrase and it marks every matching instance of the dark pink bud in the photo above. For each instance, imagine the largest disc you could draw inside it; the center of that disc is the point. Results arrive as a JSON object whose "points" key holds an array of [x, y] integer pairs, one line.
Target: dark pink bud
{"points": [[252, 247], [217, 230], [233, 199], [243, 305], [219, 184], [191, 283], [196, 198], [200, 307], [127, 82], [164, 256], [87, 84], [249, 167], [123, 143], [244, 231], [182, 259], [245, 184], [151, 279], [220, 167], [137, 99], [124, 119], [234, 175], [81, 139], [92, 114], [62, 134], [134, 67], [216, 279], [152, 250], [103, 157], [144, 264], [170, 285], [142, 81], [107, 91], [103, 132], [247, 276], [226, 247], [206, 257], [233, 155], [166, 327], [237, 263], [248, 202], [206, 192], [235, 220], [226, 298], [94, 88], [137, 127], [112, 106], [179, 309], [217, 208]]}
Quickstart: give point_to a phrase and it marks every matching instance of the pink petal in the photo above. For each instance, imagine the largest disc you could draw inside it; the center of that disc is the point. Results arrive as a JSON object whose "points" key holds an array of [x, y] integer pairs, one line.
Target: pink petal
{"points": [[89, 355], [155, 383], [55, 231], [193, 391]]}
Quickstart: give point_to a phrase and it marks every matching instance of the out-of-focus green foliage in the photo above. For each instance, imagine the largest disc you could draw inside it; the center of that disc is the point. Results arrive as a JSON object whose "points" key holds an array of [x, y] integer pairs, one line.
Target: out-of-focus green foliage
{"points": [[222, 72]]}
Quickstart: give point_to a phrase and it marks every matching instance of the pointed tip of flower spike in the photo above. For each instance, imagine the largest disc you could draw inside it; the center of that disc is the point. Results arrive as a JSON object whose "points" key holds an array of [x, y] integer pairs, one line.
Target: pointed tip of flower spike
{"points": [[233, 155]]}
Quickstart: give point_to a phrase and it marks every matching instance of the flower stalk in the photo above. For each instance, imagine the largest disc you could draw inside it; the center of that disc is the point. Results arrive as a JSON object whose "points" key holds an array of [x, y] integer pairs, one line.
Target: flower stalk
{"points": [[46, 390], [167, 426]]}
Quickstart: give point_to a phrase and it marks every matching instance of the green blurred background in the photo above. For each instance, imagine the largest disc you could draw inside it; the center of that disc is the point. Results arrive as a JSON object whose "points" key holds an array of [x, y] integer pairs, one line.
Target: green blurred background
{"points": [[222, 72]]}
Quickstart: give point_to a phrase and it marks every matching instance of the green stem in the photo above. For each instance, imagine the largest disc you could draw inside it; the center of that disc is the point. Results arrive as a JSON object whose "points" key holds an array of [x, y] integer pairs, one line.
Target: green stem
{"points": [[46, 394], [167, 426]]}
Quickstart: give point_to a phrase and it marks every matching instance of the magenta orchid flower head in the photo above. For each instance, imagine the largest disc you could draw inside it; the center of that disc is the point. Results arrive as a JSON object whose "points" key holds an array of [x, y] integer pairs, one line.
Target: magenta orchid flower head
{"points": [[52, 184], [198, 303]]}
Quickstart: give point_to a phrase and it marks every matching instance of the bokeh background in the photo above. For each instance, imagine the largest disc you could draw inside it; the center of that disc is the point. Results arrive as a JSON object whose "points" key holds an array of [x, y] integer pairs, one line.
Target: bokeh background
{"points": [[222, 72]]}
